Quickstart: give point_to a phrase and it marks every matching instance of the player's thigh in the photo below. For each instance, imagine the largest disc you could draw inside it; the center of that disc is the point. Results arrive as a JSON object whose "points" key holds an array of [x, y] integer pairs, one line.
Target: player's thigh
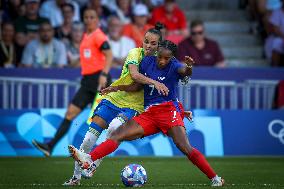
{"points": [[129, 131], [178, 134], [104, 113], [99, 121], [127, 114]]}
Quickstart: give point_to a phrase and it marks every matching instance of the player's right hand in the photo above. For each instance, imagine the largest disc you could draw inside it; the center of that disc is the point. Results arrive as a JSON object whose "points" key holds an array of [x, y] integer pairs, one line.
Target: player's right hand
{"points": [[161, 88], [108, 90]]}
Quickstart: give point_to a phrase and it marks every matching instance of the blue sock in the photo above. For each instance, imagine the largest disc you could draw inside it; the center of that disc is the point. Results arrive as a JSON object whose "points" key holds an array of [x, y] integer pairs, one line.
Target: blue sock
{"points": [[95, 129]]}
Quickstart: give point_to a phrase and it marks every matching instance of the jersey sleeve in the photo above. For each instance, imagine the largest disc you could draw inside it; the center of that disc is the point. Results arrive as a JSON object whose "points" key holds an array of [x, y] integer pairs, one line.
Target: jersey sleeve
{"points": [[177, 66], [133, 57], [100, 39]]}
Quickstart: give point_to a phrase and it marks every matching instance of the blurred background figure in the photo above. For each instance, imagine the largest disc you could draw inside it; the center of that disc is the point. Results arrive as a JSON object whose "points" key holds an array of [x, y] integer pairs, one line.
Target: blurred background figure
{"points": [[120, 44], [123, 10], [63, 32], [278, 102], [139, 26], [12, 9], [46, 51], [103, 12], [27, 26], [274, 44], [9, 57], [95, 59], [259, 12], [204, 51], [173, 18], [51, 9], [72, 48]]}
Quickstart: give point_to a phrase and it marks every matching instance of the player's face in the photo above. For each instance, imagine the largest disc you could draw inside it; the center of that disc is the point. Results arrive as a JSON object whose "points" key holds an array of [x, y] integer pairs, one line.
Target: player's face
{"points": [[164, 57], [90, 19], [150, 43]]}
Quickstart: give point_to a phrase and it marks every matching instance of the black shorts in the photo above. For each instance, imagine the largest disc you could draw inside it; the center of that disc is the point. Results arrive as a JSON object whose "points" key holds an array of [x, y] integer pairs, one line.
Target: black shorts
{"points": [[88, 90]]}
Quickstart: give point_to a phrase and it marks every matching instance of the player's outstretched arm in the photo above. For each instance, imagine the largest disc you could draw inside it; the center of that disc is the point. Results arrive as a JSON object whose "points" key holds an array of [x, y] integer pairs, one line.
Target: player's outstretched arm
{"points": [[186, 70], [140, 78], [128, 88]]}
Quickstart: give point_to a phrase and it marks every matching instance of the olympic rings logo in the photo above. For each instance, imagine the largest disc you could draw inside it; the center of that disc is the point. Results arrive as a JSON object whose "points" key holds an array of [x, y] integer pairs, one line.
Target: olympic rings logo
{"points": [[280, 133]]}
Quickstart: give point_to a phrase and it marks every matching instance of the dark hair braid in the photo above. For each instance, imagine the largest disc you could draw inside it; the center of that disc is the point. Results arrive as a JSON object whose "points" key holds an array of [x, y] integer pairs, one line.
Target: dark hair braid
{"points": [[157, 30], [170, 46]]}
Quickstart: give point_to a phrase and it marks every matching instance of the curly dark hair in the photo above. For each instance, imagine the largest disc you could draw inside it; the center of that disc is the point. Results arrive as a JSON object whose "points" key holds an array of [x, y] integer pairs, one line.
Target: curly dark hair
{"points": [[170, 46]]}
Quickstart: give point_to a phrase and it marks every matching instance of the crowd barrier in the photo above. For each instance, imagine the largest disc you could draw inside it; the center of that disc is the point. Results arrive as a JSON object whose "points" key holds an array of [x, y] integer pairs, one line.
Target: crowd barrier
{"points": [[21, 93]]}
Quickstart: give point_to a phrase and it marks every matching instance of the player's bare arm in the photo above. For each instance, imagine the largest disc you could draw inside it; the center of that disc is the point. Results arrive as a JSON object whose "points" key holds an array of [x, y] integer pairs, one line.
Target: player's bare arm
{"points": [[140, 78], [186, 70], [103, 76], [128, 88]]}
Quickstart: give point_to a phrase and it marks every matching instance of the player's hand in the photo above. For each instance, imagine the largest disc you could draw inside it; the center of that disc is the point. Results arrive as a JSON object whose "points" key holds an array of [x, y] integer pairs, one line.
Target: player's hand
{"points": [[102, 82], [188, 61], [188, 115], [161, 88], [108, 90]]}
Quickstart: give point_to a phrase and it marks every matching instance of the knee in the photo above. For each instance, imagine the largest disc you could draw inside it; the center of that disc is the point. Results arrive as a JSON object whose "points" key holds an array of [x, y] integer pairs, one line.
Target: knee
{"points": [[70, 114]]}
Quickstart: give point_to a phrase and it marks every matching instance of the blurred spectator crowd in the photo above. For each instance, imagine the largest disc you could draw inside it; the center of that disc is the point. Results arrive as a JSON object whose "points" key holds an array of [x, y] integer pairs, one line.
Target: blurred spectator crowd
{"points": [[268, 21], [47, 33]]}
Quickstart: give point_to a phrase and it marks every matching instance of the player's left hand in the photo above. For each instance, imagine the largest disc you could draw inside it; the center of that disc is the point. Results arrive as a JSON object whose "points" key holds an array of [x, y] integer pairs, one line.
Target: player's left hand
{"points": [[102, 82], [188, 61], [188, 115]]}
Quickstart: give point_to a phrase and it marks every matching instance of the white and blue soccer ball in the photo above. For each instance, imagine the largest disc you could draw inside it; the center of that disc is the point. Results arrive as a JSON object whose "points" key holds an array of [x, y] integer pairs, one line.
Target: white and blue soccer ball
{"points": [[133, 175]]}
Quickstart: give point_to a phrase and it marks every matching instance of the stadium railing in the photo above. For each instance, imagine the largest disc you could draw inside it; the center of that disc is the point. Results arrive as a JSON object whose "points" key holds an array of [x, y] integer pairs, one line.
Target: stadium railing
{"points": [[21, 93]]}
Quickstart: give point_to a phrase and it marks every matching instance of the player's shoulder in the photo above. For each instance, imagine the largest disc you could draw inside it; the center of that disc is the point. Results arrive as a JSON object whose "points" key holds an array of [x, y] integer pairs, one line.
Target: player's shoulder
{"points": [[99, 34], [174, 60], [136, 51]]}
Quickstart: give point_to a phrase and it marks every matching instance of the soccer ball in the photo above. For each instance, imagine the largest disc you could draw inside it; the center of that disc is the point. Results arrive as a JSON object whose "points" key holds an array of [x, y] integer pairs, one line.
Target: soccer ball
{"points": [[133, 175]]}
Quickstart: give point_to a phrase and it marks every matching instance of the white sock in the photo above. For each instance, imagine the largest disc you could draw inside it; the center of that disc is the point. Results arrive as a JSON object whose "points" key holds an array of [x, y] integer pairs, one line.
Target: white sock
{"points": [[87, 144], [114, 124], [90, 141]]}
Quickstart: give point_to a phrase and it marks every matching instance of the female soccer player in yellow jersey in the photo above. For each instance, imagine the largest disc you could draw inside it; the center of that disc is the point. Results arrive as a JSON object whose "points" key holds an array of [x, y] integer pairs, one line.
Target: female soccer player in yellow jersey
{"points": [[116, 108]]}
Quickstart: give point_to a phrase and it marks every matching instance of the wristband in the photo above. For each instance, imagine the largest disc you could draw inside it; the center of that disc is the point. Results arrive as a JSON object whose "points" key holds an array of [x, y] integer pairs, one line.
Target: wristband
{"points": [[189, 66]]}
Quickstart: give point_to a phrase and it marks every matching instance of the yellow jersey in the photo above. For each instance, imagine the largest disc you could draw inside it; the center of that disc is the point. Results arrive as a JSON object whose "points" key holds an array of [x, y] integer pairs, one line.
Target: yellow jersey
{"points": [[122, 99]]}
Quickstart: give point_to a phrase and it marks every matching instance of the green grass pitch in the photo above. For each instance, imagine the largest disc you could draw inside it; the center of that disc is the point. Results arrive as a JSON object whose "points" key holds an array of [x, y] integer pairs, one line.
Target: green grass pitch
{"points": [[163, 173]]}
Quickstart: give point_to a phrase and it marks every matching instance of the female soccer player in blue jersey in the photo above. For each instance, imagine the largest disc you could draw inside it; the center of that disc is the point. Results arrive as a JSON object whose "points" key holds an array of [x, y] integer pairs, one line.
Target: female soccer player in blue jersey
{"points": [[162, 113]]}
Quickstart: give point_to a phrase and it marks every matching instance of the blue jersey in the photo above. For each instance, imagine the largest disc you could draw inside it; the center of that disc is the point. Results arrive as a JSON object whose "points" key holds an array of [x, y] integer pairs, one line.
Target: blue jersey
{"points": [[169, 76]]}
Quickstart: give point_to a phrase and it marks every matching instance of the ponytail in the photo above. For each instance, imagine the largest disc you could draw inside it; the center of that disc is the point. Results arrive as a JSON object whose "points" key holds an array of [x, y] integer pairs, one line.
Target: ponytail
{"points": [[157, 30]]}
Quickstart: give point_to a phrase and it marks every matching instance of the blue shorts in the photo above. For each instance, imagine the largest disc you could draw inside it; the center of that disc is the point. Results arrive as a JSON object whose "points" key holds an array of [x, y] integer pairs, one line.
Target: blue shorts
{"points": [[108, 111]]}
